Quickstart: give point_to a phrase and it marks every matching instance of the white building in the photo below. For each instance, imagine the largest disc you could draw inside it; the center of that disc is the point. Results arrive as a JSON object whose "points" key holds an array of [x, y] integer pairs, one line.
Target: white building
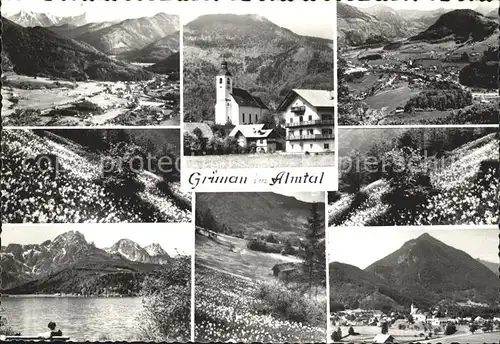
{"points": [[266, 140], [309, 121], [235, 105]]}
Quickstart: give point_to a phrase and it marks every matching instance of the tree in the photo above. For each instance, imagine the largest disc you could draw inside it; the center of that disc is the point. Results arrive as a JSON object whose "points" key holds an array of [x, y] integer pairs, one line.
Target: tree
{"points": [[352, 172], [473, 328], [209, 221], [313, 248], [351, 331]]}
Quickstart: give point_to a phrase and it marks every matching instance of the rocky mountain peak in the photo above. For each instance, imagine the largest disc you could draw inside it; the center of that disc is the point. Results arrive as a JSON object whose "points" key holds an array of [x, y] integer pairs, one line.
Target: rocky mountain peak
{"points": [[155, 249]]}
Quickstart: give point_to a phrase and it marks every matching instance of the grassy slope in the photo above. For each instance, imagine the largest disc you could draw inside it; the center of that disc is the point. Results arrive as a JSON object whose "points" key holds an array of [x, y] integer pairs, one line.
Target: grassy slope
{"points": [[230, 254], [362, 139]]}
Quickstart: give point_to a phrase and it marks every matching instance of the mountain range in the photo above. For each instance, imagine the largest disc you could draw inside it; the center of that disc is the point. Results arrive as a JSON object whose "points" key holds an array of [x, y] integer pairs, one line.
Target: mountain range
{"points": [[461, 25], [264, 58], [380, 23], [32, 19], [424, 270], [37, 51], [33, 268], [258, 212]]}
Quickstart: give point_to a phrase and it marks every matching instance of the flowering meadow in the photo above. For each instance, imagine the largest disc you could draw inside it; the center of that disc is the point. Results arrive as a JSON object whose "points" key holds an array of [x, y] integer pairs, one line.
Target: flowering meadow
{"points": [[464, 189], [228, 309], [69, 192]]}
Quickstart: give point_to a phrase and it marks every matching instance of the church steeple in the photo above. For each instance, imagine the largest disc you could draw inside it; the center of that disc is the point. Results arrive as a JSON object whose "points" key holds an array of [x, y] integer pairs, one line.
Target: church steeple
{"points": [[223, 69]]}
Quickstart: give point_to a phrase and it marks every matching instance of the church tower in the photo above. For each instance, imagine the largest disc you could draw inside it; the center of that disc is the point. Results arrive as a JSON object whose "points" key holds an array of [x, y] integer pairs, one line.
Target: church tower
{"points": [[224, 88]]}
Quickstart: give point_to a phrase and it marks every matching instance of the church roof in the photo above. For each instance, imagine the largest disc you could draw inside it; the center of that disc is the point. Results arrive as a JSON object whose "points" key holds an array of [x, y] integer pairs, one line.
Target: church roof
{"points": [[254, 131], [316, 98], [244, 98]]}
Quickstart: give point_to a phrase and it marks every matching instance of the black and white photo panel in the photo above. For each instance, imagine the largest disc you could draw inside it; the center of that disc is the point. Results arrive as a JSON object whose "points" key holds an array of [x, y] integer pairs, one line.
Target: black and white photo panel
{"points": [[92, 175], [437, 284], [416, 176], [99, 63], [96, 282], [417, 62], [260, 280]]}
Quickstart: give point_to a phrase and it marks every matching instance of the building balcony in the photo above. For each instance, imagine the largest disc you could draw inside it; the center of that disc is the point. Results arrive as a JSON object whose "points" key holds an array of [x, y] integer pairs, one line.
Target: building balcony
{"points": [[310, 137], [317, 122], [298, 109]]}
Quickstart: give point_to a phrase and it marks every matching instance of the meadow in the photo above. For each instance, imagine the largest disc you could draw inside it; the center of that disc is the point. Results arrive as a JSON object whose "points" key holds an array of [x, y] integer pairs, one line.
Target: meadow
{"points": [[460, 188], [267, 160], [232, 309], [71, 193], [392, 98]]}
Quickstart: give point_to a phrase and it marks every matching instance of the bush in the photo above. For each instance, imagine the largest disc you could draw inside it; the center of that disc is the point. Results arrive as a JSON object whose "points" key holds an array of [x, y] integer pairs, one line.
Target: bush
{"points": [[450, 329], [259, 245], [281, 302], [167, 303], [120, 169], [351, 331]]}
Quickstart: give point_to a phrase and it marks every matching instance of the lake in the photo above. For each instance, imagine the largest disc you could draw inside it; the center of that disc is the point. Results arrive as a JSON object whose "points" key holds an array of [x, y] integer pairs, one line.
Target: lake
{"points": [[79, 318]]}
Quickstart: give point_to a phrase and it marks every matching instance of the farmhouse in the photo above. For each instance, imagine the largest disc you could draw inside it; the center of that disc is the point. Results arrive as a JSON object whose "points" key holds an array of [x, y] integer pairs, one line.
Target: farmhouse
{"points": [[285, 271], [308, 120], [266, 140], [235, 105]]}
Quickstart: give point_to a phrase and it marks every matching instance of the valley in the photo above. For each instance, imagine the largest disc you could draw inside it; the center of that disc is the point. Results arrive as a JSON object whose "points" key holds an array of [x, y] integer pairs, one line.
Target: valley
{"points": [[434, 71], [81, 78]]}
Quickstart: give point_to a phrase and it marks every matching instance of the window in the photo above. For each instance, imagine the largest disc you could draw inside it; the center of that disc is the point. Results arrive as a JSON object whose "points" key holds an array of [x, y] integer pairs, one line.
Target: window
{"points": [[327, 132], [310, 118], [228, 81], [310, 131], [326, 146], [301, 118], [311, 145], [256, 118], [326, 117], [243, 117], [300, 132], [220, 80]]}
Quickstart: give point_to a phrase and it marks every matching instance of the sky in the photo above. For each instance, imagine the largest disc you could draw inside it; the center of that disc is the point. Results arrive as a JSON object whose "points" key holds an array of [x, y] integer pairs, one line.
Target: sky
{"points": [[309, 197], [424, 4], [169, 236], [305, 18], [363, 246]]}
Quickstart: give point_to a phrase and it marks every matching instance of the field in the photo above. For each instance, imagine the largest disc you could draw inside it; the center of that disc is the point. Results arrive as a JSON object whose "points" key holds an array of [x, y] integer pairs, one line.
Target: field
{"points": [[56, 102], [231, 255], [414, 118], [259, 161], [367, 333], [238, 300], [392, 98], [72, 192]]}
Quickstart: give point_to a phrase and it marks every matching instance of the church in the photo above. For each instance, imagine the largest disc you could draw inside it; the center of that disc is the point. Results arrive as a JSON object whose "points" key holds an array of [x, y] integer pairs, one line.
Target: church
{"points": [[235, 105]]}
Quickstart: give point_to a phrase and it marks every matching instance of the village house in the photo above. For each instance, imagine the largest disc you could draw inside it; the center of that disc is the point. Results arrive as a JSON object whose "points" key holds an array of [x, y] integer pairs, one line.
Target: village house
{"points": [[265, 140], [235, 105], [309, 121], [383, 338]]}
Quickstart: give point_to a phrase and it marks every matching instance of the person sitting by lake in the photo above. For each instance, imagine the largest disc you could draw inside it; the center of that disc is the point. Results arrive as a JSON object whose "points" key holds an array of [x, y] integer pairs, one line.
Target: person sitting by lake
{"points": [[53, 332]]}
